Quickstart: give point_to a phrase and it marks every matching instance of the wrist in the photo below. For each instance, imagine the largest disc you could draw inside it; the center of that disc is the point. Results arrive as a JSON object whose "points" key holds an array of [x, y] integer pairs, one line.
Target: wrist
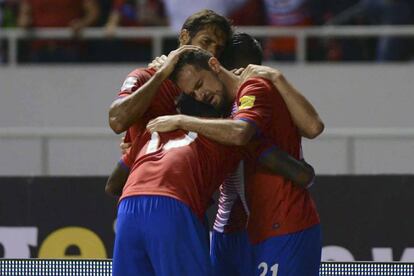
{"points": [[278, 78]]}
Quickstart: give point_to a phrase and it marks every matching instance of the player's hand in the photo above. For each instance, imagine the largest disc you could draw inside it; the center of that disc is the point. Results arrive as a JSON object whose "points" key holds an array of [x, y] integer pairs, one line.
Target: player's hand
{"points": [[164, 123], [238, 71], [172, 59], [124, 146], [157, 62], [261, 71]]}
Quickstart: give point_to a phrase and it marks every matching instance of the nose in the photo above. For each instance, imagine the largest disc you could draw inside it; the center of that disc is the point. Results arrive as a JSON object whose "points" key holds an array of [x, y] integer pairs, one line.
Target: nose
{"points": [[200, 95]]}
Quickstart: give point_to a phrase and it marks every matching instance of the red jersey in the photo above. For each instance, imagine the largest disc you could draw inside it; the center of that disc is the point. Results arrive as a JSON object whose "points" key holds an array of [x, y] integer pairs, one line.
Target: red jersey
{"points": [[276, 205], [162, 104], [52, 13], [179, 164]]}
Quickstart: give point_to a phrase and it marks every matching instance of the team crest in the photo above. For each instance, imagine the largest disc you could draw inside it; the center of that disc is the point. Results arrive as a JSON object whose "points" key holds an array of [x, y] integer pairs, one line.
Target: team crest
{"points": [[246, 102]]}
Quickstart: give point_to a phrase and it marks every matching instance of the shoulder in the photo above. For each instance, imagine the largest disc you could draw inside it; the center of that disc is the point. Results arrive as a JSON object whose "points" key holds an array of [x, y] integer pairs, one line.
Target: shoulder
{"points": [[142, 73], [253, 84], [256, 86]]}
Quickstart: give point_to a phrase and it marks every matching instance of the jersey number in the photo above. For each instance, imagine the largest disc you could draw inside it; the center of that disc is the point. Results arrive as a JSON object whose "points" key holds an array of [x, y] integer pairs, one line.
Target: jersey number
{"points": [[174, 143], [274, 268]]}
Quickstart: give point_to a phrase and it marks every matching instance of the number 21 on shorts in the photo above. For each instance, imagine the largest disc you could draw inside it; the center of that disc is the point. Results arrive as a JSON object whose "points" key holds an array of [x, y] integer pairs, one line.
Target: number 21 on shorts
{"points": [[273, 269]]}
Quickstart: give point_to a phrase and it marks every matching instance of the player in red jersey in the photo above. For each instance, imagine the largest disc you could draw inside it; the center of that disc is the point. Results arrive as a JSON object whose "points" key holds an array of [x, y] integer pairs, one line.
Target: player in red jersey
{"points": [[130, 110], [168, 189], [283, 223]]}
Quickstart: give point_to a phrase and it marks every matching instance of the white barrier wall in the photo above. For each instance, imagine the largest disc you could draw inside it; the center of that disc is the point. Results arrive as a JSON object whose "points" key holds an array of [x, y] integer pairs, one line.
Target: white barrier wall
{"points": [[363, 96]]}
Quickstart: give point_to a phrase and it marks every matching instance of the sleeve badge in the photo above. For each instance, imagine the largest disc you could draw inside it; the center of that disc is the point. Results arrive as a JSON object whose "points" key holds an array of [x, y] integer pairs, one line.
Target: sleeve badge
{"points": [[246, 102]]}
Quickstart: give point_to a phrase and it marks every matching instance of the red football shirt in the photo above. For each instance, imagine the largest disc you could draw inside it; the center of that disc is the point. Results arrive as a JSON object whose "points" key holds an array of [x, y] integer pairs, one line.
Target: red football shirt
{"points": [[276, 205], [162, 104], [179, 164]]}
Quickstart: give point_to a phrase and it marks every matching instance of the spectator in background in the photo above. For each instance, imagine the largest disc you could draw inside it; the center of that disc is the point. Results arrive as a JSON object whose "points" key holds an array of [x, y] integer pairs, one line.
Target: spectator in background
{"points": [[135, 13], [75, 14], [250, 13], [285, 13], [8, 11], [179, 10], [382, 12], [130, 13]]}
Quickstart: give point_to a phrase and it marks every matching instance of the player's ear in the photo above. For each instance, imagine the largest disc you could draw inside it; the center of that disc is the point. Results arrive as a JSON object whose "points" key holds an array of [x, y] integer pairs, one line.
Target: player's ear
{"points": [[214, 64], [184, 37]]}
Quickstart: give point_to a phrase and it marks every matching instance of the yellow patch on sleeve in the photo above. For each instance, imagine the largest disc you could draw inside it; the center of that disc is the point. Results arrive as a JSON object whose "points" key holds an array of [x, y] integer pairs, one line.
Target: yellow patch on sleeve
{"points": [[246, 102]]}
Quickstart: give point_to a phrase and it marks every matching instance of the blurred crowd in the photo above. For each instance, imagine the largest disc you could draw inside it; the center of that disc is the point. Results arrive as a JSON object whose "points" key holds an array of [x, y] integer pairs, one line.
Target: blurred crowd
{"points": [[110, 14]]}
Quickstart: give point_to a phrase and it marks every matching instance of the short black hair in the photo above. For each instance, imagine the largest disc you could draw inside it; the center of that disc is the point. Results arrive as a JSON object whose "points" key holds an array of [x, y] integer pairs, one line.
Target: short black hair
{"points": [[207, 18], [198, 58], [241, 50], [187, 105]]}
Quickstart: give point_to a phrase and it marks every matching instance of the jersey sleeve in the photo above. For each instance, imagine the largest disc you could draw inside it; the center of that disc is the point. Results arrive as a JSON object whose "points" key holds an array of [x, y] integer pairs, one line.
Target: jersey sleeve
{"points": [[163, 102], [133, 81], [254, 104]]}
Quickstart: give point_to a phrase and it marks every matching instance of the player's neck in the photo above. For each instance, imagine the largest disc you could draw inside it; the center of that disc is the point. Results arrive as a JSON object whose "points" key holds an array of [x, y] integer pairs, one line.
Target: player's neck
{"points": [[231, 82]]}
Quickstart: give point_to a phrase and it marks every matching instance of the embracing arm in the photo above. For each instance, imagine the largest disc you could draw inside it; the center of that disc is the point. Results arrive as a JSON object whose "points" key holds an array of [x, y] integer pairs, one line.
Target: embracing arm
{"points": [[125, 111], [117, 180], [279, 162], [223, 131], [303, 113]]}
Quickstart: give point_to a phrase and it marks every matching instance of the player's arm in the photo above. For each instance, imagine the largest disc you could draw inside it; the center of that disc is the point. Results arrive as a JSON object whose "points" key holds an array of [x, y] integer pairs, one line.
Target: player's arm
{"points": [[117, 179], [253, 116], [223, 131], [302, 111], [24, 18], [279, 162], [91, 13], [125, 111]]}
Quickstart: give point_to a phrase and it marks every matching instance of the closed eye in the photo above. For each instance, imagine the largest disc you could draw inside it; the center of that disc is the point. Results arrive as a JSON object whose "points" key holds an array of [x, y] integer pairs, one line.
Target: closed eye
{"points": [[198, 84]]}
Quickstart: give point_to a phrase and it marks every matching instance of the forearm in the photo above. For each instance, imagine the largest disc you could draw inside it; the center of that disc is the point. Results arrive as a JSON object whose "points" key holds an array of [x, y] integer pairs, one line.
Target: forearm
{"points": [[117, 180], [223, 131], [91, 13], [303, 113], [127, 110], [114, 19], [24, 18], [281, 163]]}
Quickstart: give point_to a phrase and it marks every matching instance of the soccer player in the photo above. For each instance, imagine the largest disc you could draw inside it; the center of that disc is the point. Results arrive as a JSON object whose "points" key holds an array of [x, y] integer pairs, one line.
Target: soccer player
{"points": [[283, 223], [170, 180], [230, 251], [135, 106]]}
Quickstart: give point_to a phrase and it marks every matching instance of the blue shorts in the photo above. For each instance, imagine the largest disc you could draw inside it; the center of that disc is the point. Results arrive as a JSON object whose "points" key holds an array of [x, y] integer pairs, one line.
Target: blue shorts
{"points": [[295, 254], [158, 235], [231, 254]]}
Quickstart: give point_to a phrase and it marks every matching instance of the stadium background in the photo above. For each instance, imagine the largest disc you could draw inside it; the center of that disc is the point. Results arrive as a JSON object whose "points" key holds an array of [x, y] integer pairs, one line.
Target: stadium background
{"points": [[56, 148]]}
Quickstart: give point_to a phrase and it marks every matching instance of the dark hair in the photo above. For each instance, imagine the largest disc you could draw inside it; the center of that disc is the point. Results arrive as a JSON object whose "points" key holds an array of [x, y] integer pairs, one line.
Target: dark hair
{"points": [[198, 58], [240, 51], [189, 106], [207, 18]]}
